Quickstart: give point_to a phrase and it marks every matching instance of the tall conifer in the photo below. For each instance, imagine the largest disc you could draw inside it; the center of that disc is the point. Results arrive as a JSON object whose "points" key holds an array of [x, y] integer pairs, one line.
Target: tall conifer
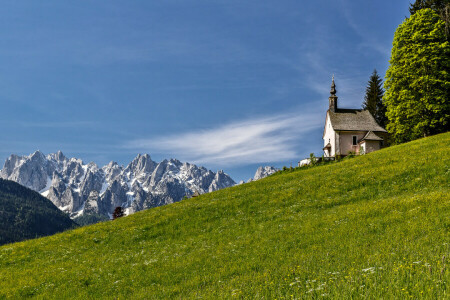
{"points": [[373, 100]]}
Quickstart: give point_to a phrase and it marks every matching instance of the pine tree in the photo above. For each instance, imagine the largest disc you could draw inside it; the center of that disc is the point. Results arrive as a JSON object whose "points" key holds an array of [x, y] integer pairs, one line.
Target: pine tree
{"points": [[418, 78], [373, 100]]}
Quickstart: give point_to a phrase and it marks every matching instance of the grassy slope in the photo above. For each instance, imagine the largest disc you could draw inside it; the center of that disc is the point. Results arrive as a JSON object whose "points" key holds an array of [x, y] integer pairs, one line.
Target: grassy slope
{"points": [[370, 226]]}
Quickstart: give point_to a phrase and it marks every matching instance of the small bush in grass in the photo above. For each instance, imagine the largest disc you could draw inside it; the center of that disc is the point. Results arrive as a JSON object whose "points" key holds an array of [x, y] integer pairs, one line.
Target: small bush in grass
{"points": [[312, 159], [118, 212], [351, 154]]}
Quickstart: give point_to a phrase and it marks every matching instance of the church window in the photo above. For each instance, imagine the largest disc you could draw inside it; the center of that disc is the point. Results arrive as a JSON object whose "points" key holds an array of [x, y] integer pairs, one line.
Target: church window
{"points": [[355, 140]]}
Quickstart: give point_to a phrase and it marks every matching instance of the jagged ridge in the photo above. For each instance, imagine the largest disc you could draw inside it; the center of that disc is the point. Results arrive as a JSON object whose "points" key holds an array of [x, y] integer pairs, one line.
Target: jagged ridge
{"points": [[80, 188]]}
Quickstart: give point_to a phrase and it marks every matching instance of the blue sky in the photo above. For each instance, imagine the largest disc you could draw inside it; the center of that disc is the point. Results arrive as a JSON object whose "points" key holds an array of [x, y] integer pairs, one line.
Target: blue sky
{"points": [[225, 84]]}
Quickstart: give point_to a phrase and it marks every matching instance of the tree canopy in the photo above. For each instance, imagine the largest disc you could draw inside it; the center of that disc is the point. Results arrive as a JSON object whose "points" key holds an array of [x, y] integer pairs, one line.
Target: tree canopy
{"points": [[436, 5], [418, 79], [118, 212], [441, 7], [373, 100]]}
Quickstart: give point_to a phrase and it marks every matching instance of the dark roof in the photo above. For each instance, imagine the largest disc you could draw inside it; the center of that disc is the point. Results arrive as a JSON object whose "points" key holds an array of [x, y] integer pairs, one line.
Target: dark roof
{"points": [[327, 146], [354, 119], [370, 136]]}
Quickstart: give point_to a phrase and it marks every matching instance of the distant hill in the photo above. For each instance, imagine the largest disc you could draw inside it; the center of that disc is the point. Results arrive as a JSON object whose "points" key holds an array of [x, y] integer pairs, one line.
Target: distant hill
{"points": [[25, 214], [375, 226]]}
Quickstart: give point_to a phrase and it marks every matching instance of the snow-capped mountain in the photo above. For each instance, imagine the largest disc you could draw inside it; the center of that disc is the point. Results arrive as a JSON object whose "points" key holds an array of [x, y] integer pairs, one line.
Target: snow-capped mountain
{"points": [[262, 172], [79, 188]]}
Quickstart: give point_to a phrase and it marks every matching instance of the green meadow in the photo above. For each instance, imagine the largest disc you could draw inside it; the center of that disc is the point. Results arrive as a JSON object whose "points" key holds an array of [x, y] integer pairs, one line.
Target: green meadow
{"points": [[374, 226]]}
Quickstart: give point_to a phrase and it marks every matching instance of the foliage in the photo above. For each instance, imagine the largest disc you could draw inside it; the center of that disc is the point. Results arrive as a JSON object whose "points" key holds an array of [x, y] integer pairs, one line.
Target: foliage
{"points": [[118, 212], [436, 5], [25, 214], [373, 100], [418, 79], [312, 159], [441, 7], [351, 154], [88, 219], [373, 227]]}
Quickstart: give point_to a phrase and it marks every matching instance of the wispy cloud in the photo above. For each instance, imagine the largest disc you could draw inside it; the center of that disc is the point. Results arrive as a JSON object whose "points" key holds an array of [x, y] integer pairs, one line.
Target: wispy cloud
{"points": [[257, 140], [368, 41], [350, 83]]}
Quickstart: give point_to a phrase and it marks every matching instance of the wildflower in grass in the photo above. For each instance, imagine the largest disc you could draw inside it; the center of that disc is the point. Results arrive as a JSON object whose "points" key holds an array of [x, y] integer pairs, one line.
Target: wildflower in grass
{"points": [[371, 270]]}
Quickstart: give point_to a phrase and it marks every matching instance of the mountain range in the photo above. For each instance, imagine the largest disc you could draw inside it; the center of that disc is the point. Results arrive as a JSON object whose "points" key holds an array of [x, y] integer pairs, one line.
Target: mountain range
{"points": [[86, 189]]}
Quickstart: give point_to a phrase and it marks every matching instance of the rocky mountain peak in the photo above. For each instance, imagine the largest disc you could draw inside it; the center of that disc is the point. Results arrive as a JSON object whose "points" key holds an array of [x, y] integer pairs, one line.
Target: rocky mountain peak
{"points": [[11, 163], [112, 170], [220, 181], [37, 156], [58, 156], [262, 172], [112, 164], [141, 164], [79, 188]]}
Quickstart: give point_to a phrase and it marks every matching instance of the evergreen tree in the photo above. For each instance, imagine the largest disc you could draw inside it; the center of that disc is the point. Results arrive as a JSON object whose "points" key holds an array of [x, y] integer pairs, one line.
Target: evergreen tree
{"points": [[418, 78], [373, 100]]}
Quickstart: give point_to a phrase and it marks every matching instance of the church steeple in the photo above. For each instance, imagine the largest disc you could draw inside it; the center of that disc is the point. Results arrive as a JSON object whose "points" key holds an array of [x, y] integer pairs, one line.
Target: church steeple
{"points": [[333, 98]]}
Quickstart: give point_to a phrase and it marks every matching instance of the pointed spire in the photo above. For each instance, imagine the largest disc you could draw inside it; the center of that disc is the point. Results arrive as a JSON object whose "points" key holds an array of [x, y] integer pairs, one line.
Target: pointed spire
{"points": [[333, 98], [333, 87]]}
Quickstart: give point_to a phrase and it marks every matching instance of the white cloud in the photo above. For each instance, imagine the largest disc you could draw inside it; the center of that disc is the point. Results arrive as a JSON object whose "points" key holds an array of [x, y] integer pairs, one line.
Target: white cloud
{"points": [[367, 37], [265, 139]]}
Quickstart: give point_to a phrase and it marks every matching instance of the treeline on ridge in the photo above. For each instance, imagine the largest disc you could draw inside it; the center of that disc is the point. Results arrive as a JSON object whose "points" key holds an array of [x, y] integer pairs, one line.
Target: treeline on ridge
{"points": [[25, 214]]}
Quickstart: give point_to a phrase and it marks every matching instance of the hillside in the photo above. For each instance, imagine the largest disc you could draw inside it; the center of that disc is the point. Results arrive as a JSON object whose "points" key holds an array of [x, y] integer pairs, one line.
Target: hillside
{"points": [[25, 214], [372, 226]]}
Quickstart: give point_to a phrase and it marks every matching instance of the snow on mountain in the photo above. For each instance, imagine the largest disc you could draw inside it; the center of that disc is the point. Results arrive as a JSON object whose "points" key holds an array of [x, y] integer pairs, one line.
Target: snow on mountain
{"points": [[262, 172], [79, 188]]}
